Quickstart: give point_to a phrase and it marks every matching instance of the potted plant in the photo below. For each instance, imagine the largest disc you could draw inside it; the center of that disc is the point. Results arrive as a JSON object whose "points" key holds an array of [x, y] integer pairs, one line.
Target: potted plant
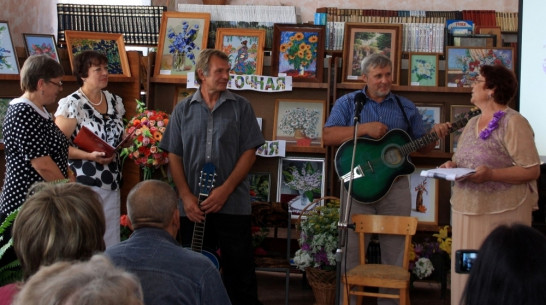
{"points": [[318, 244]]}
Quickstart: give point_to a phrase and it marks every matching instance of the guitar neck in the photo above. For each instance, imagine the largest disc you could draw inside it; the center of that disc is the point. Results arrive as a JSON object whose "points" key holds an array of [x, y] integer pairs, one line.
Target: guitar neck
{"points": [[199, 229], [431, 137]]}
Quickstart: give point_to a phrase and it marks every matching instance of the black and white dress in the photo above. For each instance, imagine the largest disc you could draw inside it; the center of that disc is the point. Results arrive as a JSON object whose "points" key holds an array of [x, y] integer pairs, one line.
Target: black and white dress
{"points": [[29, 133], [104, 178]]}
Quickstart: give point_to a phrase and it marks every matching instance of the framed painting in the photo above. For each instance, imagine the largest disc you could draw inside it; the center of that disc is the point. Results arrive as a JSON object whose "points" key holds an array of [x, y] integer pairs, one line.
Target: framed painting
{"points": [[431, 114], [300, 181], [260, 186], [181, 37], [182, 93], [363, 39], [41, 44], [109, 44], [9, 64], [244, 48], [424, 198], [299, 122], [4, 103], [463, 63], [423, 69], [298, 51], [458, 112]]}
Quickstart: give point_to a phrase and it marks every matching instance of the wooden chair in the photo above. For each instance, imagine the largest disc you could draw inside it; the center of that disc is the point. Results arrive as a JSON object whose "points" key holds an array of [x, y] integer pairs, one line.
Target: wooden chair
{"points": [[275, 216], [377, 275]]}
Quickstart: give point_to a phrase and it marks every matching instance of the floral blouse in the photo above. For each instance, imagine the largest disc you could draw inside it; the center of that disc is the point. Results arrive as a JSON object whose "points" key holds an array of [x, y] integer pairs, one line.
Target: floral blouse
{"points": [[108, 126]]}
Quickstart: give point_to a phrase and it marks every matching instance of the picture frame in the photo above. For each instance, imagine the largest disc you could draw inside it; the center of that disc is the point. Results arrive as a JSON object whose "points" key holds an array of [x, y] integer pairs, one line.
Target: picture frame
{"points": [[457, 112], [244, 48], [182, 93], [110, 44], [9, 63], [176, 56], [463, 63], [298, 199], [423, 69], [298, 51], [424, 198], [4, 104], [41, 44], [492, 30], [432, 114], [299, 122], [260, 187], [363, 39]]}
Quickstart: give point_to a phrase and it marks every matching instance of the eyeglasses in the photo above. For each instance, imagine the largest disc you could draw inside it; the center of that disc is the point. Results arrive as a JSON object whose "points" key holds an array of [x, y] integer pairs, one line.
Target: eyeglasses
{"points": [[479, 81], [59, 84]]}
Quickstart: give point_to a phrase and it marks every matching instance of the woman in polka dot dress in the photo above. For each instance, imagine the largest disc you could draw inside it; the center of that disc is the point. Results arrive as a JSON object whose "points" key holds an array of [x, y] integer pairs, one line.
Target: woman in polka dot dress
{"points": [[102, 112], [36, 149]]}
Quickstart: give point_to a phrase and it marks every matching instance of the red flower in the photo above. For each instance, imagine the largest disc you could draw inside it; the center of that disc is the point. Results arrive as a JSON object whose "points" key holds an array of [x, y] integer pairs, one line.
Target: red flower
{"points": [[124, 220]]}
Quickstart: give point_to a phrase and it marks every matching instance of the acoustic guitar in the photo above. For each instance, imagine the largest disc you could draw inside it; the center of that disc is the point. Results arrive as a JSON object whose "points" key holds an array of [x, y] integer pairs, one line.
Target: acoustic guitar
{"points": [[378, 162], [206, 184]]}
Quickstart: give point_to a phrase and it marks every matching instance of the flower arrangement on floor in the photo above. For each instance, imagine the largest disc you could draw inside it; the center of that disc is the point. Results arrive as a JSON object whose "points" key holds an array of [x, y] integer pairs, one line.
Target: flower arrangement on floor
{"points": [[147, 128], [124, 227], [305, 179], [420, 253], [319, 236], [300, 118]]}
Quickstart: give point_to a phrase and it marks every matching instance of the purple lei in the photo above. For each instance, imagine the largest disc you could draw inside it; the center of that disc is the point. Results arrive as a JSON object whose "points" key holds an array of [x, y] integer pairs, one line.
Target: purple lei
{"points": [[493, 124]]}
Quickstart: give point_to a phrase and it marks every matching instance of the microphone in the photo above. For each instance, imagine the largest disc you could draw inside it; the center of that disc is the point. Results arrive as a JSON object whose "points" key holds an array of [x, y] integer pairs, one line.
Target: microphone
{"points": [[360, 100]]}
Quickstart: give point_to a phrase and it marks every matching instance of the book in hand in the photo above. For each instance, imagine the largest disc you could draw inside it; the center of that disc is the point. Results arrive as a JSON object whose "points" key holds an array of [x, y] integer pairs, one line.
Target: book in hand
{"points": [[451, 174], [90, 142]]}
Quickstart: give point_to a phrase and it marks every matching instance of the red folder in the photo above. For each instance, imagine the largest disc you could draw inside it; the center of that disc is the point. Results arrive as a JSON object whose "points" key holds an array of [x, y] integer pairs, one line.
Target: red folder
{"points": [[88, 141]]}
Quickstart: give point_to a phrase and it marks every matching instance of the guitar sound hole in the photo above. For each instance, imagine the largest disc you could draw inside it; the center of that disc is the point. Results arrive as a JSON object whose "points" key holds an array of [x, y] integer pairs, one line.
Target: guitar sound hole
{"points": [[392, 156]]}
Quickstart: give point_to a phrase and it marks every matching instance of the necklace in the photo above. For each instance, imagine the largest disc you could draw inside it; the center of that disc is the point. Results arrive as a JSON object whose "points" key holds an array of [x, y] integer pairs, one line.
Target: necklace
{"points": [[88, 99], [493, 124]]}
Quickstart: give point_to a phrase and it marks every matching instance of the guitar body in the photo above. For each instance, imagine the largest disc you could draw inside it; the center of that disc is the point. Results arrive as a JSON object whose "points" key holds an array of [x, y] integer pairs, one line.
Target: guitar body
{"points": [[377, 164]]}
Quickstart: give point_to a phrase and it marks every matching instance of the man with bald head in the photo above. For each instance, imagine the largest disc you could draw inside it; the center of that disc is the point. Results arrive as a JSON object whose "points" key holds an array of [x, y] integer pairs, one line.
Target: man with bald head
{"points": [[169, 274]]}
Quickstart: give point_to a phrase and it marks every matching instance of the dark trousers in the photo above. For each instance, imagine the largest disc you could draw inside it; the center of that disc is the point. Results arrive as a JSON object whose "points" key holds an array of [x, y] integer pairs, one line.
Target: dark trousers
{"points": [[231, 236]]}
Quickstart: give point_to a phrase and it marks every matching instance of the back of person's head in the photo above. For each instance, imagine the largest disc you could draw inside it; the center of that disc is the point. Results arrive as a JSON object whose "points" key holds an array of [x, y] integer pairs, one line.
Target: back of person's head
{"points": [[151, 203], [92, 282], [85, 60], [375, 60], [503, 80], [510, 268], [38, 67], [203, 60], [58, 222]]}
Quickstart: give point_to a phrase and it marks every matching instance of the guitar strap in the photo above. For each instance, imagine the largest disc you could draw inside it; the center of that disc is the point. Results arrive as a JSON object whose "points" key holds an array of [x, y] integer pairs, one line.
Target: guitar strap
{"points": [[410, 130]]}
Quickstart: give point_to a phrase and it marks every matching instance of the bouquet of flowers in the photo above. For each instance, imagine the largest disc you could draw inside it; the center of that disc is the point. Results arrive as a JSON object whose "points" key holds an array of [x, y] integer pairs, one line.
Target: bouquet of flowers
{"points": [[423, 70], [147, 129], [420, 253], [306, 179], [318, 240], [300, 118], [124, 228], [184, 42], [300, 49]]}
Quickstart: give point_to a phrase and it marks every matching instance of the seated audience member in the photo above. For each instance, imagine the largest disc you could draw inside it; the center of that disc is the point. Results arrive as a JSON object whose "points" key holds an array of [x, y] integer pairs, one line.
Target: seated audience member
{"points": [[510, 268], [169, 273], [95, 281], [58, 222]]}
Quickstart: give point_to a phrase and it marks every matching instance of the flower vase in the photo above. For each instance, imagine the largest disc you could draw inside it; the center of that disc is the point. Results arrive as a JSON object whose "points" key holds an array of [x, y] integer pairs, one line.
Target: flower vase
{"points": [[299, 133], [179, 58], [304, 201], [301, 70]]}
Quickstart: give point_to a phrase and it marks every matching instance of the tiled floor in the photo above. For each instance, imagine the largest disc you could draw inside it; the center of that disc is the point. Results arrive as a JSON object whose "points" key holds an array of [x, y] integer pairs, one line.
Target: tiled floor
{"points": [[271, 291]]}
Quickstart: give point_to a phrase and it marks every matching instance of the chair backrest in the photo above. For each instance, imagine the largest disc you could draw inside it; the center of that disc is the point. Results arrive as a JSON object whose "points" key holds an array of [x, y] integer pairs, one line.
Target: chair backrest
{"points": [[385, 224]]}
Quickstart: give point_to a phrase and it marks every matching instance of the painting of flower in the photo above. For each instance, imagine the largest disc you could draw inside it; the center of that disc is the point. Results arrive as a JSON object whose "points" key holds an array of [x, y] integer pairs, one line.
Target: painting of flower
{"points": [[299, 119], [36, 44], [463, 63], [111, 45], [298, 51], [423, 69], [181, 38], [8, 58]]}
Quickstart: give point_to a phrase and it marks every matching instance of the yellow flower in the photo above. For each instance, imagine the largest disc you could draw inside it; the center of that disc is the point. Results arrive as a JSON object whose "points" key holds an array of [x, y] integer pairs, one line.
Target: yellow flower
{"points": [[442, 233]]}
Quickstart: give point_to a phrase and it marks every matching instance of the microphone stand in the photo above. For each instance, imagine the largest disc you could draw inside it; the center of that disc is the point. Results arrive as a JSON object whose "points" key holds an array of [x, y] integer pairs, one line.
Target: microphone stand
{"points": [[345, 209]]}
